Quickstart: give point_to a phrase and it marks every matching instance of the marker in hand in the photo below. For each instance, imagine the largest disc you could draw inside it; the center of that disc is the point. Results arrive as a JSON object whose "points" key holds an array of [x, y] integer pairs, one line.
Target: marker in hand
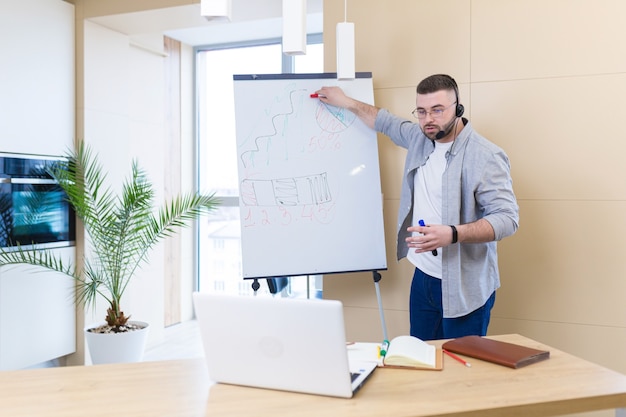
{"points": [[315, 95], [421, 223]]}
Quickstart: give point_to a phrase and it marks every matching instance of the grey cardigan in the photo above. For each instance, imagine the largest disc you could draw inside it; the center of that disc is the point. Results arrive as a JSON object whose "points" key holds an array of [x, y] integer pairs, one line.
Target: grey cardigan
{"points": [[476, 184]]}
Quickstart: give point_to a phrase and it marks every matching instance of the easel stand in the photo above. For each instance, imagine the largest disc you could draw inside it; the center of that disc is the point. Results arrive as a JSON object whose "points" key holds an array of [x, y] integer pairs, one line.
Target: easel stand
{"points": [[377, 278]]}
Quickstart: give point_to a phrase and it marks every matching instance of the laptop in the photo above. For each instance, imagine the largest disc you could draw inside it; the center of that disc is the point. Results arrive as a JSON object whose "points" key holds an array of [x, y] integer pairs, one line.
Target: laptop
{"points": [[285, 344]]}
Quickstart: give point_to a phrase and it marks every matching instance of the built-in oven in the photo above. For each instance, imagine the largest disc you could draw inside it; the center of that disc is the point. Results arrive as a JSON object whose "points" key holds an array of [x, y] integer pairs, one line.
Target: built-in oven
{"points": [[33, 208]]}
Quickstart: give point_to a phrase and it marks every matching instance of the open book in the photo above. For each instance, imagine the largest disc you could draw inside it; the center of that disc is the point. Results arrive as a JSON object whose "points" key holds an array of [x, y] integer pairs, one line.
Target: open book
{"points": [[411, 352]]}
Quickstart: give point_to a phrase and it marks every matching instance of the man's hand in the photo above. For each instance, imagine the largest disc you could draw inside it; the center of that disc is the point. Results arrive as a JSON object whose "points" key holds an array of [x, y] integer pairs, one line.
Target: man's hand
{"points": [[430, 237], [335, 96]]}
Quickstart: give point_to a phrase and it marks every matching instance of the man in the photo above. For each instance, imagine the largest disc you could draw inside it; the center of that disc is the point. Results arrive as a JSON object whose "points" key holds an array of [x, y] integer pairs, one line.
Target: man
{"points": [[457, 201]]}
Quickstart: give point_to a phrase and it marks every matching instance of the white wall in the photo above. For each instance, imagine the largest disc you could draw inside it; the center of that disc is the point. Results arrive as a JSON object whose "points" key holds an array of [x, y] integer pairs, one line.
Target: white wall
{"points": [[123, 120], [36, 76]]}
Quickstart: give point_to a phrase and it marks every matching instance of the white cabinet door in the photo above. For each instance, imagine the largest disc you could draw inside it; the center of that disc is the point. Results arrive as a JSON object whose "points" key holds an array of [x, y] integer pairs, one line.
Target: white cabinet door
{"points": [[37, 315]]}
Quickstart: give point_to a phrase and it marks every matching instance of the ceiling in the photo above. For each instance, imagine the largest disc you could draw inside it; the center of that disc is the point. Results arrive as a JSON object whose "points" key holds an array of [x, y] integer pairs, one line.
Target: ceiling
{"points": [[251, 19]]}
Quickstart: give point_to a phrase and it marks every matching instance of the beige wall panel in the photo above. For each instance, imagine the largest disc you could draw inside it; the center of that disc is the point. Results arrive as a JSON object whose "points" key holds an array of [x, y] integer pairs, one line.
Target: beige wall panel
{"points": [[403, 41], [546, 82], [603, 345], [557, 269], [333, 13], [104, 8], [391, 160], [353, 289], [396, 282], [400, 101], [364, 325], [512, 39], [401, 275], [563, 135]]}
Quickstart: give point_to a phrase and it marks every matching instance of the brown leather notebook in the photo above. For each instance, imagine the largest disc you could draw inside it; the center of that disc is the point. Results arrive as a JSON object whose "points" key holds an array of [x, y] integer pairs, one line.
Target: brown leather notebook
{"points": [[495, 351]]}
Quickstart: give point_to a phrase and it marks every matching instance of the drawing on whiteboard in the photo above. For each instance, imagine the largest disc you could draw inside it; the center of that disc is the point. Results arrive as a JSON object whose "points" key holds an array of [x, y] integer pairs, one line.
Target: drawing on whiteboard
{"points": [[263, 144], [296, 131], [296, 191], [333, 119], [330, 120]]}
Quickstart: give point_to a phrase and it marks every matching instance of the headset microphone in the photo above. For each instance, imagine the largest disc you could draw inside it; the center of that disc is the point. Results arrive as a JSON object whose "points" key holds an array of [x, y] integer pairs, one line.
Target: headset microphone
{"points": [[440, 135], [445, 132]]}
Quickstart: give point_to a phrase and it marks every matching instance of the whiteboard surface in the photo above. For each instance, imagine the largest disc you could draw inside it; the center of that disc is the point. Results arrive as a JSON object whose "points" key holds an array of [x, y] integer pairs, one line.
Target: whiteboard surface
{"points": [[310, 194]]}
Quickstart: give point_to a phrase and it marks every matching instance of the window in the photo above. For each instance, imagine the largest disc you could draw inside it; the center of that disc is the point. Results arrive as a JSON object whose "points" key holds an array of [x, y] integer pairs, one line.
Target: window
{"points": [[219, 257]]}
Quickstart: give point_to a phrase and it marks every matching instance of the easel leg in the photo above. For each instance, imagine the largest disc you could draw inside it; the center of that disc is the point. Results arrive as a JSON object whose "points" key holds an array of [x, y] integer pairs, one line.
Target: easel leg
{"points": [[377, 278]]}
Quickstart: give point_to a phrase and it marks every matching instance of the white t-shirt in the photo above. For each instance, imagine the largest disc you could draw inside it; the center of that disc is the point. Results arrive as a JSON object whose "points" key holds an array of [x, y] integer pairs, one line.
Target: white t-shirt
{"points": [[427, 202]]}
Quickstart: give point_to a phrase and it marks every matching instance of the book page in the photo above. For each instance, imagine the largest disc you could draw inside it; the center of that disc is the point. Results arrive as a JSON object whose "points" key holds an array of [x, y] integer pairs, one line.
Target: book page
{"points": [[410, 351]]}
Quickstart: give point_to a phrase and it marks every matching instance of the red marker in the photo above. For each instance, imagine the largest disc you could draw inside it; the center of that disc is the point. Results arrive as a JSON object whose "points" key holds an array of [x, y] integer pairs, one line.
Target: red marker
{"points": [[315, 95], [457, 358]]}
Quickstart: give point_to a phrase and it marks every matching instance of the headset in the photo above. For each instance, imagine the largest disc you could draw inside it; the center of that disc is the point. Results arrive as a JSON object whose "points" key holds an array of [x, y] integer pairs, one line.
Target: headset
{"points": [[458, 110]]}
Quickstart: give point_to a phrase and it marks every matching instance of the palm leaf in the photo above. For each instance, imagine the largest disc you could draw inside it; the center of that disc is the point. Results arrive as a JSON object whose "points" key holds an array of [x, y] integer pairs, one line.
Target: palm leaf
{"points": [[121, 229]]}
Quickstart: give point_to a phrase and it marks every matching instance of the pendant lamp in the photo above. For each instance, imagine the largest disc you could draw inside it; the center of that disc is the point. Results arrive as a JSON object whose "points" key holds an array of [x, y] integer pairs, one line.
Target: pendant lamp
{"points": [[345, 47], [294, 27], [216, 9]]}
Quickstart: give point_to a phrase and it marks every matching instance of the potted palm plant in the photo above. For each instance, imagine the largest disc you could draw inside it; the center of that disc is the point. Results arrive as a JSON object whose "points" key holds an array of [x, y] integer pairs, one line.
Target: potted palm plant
{"points": [[120, 231]]}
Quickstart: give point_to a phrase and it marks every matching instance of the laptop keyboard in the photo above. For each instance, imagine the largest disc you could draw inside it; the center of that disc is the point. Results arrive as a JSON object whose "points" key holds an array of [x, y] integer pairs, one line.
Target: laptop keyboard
{"points": [[354, 375]]}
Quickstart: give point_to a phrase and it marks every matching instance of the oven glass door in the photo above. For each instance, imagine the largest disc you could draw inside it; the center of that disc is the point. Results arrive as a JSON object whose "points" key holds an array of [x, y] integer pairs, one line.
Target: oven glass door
{"points": [[34, 210]]}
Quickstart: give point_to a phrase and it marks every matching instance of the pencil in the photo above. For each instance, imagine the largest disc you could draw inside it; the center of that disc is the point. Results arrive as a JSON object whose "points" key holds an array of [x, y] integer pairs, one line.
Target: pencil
{"points": [[453, 356]]}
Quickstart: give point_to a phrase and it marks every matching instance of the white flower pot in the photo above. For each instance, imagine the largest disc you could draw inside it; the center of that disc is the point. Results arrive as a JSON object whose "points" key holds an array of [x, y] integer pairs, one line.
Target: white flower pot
{"points": [[117, 347]]}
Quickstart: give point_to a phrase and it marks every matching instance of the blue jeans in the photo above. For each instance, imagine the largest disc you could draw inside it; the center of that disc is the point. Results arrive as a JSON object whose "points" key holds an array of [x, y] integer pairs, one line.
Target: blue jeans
{"points": [[426, 312]]}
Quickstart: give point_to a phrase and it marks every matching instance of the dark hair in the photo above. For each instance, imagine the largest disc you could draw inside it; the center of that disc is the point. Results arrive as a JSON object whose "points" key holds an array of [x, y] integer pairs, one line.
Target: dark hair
{"points": [[437, 82]]}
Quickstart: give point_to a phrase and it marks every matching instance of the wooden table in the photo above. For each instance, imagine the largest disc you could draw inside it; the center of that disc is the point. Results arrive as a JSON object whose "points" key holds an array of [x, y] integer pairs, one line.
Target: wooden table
{"points": [[561, 385]]}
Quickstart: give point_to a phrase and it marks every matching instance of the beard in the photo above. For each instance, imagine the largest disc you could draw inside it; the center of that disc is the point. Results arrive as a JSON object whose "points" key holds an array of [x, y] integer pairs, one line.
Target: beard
{"points": [[431, 131]]}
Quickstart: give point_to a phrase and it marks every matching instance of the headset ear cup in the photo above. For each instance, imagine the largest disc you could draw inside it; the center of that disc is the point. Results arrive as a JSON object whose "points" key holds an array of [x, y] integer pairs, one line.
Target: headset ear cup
{"points": [[459, 110]]}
